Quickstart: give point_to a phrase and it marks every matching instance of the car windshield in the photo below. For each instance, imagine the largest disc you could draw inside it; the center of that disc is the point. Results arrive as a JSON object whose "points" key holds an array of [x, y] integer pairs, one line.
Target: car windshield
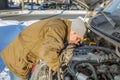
{"points": [[114, 8]]}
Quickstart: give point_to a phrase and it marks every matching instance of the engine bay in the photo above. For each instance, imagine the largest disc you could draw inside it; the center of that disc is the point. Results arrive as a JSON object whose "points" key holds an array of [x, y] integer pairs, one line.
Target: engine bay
{"points": [[93, 63]]}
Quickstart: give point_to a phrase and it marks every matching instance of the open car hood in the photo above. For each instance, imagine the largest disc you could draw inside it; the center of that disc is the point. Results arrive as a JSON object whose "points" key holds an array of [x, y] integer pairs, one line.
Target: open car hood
{"points": [[108, 28]]}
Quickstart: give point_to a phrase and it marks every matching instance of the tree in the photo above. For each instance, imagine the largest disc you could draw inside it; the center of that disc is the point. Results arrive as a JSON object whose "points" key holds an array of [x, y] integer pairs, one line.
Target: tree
{"points": [[37, 1], [22, 3], [28, 1]]}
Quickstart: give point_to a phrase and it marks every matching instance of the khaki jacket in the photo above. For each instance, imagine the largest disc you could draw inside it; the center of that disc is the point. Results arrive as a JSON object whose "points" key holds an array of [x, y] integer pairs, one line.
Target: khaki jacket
{"points": [[42, 40]]}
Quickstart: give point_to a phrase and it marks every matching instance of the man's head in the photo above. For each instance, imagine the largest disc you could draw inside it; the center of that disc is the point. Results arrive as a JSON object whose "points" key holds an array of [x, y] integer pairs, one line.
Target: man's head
{"points": [[78, 31]]}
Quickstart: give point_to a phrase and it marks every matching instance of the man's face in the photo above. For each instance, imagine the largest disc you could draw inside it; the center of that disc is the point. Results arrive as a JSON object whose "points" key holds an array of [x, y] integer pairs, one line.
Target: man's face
{"points": [[74, 37]]}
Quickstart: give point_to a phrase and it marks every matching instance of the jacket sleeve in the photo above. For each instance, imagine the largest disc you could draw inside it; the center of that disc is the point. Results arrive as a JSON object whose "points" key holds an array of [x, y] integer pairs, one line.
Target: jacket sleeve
{"points": [[47, 50]]}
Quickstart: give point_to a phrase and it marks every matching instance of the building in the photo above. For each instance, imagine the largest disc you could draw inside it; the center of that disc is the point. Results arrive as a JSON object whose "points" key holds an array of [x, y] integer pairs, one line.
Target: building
{"points": [[3, 4], [27, 1], [41, 1]]}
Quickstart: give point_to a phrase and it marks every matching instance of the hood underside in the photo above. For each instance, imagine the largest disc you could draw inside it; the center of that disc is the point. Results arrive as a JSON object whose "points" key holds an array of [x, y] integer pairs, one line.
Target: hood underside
{"points": [[89, 4]]}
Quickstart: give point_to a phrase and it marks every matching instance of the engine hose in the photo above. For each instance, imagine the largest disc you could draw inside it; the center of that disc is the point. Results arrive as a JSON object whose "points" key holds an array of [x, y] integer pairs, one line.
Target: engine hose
{"points": [[103, 75], [96, 47], [110, 76], [93, 69], [91, 47], [73, 73]]}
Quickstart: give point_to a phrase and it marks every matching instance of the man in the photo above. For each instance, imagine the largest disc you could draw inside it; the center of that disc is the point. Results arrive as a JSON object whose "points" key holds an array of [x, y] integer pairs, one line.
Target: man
{"points": [[42, 40]]}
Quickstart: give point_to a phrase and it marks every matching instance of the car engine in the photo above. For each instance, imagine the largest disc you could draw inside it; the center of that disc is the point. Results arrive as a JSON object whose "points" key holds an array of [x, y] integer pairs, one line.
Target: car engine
{"points": [[93, 63]]}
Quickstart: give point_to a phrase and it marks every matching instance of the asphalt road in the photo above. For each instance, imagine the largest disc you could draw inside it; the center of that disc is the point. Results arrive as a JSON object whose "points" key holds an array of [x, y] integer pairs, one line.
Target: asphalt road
{"points": [[36, 17]]}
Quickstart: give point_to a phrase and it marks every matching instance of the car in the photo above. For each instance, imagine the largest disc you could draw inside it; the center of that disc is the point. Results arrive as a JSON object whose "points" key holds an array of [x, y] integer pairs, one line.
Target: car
{"points": [[52, 4], [48, 5], [32, 6], [44, 6], [14, 6]]}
